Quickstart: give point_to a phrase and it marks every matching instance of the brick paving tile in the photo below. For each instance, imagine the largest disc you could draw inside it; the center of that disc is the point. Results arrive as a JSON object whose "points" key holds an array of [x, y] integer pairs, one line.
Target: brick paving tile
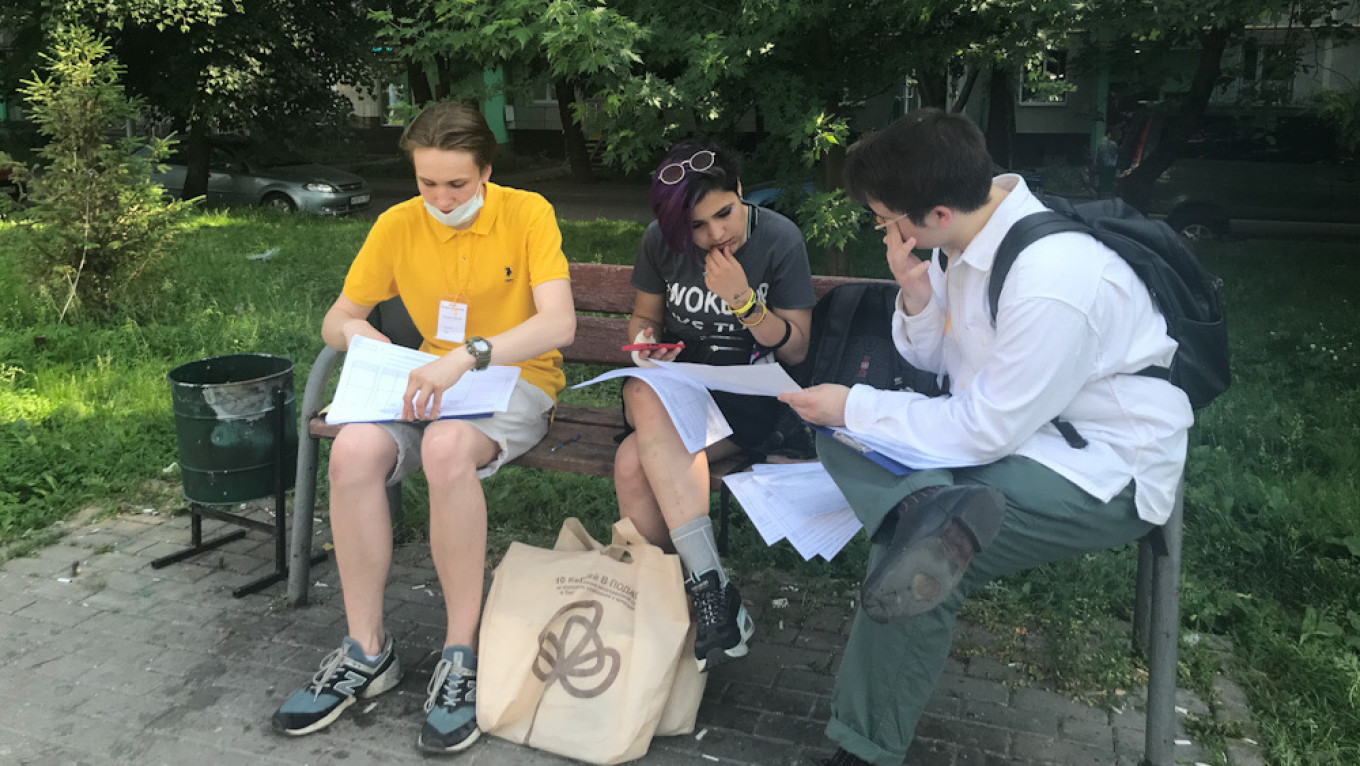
{"points": [[122, 663]]}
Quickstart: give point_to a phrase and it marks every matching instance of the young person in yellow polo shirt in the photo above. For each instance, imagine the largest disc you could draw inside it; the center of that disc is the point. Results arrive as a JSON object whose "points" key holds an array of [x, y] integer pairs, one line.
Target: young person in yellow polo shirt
{"points": [[480, 269]]}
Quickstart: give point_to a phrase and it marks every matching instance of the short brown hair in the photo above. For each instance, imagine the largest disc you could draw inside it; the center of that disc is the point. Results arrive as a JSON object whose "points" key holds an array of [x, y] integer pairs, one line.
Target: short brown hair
{"points": [[925, 158], [450, 125]]}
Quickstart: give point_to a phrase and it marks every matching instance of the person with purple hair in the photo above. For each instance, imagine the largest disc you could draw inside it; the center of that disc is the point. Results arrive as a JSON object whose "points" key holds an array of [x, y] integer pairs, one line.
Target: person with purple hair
{"points": [[731, 282]]}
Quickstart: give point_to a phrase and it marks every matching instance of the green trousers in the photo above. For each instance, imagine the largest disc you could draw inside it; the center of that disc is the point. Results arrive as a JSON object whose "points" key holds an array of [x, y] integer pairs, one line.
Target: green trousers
{"points": [[890, 671]]}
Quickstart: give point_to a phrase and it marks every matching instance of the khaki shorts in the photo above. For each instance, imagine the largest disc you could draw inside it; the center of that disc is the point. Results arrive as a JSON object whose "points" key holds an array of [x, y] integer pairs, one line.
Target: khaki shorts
{"points": [[514, 431]]}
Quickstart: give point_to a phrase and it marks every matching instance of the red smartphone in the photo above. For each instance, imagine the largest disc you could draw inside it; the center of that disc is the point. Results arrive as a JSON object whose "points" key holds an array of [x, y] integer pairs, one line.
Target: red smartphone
{"points": [[652, 346]]}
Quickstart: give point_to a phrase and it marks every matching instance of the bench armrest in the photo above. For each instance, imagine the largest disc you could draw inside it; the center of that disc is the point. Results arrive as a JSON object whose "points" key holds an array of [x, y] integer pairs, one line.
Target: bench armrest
{"points": [[316, 382]]}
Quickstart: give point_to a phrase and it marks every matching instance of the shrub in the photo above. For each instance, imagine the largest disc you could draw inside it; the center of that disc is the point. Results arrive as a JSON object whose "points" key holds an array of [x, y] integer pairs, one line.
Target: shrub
{"points": [[95, 221]]}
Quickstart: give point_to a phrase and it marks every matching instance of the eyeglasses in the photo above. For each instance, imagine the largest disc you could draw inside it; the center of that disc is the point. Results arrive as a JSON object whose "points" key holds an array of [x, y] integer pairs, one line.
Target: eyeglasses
{"points": [[674, 173], [884, 223]]}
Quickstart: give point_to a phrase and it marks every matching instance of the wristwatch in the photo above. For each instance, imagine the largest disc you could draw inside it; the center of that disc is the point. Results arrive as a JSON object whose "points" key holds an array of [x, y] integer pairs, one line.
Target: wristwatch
{"points": [[480, 348]]}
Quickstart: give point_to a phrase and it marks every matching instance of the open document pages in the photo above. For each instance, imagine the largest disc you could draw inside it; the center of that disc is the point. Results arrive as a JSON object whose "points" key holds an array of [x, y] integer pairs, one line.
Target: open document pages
{"points": [[798, 502], [374, 377], [692, 409]]}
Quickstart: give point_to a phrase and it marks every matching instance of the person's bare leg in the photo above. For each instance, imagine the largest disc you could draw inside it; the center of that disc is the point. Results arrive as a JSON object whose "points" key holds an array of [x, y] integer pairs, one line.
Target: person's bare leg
{"points": [[361, 459], [677, 479], [451, 453]]}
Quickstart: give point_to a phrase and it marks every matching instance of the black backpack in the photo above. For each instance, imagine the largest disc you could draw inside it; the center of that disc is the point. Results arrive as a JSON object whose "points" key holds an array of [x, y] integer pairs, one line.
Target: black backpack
{"points": [[1189, 297], [851, 343]]}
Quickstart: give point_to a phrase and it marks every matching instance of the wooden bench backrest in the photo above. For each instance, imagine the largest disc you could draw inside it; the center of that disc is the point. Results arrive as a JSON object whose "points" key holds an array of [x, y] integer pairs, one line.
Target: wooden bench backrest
{"points": [[607, 289]]}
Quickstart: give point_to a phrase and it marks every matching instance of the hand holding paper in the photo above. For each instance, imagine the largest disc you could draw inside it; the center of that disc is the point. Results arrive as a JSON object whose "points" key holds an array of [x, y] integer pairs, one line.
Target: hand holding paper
{"points": [[375, 376]]}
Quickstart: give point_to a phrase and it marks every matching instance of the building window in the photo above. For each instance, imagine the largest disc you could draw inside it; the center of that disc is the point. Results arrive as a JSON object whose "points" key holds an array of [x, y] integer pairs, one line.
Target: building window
{"points": [[1045, 82], [1267, 72]]}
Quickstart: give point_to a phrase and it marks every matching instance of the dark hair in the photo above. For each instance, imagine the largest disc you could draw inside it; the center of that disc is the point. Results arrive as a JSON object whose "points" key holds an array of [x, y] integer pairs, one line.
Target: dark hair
{"points": [[449, 125], [673, 204], [924, 159]]}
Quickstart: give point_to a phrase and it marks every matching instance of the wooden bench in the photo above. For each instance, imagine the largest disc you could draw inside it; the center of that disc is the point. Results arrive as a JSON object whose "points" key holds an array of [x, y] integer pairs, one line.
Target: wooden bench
{"points": [[606, 293], [606, 290]]}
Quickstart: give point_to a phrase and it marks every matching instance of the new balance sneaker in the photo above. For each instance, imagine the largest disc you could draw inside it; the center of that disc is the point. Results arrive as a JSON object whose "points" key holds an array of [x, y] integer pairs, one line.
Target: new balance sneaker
{"points": [[451, 723], [344, 677], [721, 625]]}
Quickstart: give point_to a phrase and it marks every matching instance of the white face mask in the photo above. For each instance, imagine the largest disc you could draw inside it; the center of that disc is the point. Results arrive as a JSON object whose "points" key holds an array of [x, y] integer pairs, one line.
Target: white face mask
{"points": [[459, 215]]}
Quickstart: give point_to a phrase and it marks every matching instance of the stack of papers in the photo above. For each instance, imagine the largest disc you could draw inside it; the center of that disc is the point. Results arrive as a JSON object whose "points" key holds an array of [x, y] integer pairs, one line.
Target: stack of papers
{"points": [[799, 502], [373, 382]]}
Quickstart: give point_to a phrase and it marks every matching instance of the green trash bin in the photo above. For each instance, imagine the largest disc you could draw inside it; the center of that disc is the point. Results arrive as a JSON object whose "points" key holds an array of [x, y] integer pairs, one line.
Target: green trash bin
{"points": [[227, 429]]}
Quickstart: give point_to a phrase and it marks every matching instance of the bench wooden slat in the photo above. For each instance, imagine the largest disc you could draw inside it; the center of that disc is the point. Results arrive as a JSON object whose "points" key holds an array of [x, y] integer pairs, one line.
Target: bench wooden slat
{"points": [[606, 288]]}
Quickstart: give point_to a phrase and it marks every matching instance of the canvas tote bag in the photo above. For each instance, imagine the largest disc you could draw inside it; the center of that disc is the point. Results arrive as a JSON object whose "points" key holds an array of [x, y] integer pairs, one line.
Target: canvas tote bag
{"points": [[587, 649]]}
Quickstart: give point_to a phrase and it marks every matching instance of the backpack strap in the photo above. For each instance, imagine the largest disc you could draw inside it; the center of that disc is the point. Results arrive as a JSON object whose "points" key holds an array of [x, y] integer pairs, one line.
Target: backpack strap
{"points": [[1022, 234]]}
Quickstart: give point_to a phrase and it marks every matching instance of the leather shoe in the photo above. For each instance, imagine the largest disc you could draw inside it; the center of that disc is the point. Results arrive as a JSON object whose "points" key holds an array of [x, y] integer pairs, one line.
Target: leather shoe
{"points": [[930, 538]]}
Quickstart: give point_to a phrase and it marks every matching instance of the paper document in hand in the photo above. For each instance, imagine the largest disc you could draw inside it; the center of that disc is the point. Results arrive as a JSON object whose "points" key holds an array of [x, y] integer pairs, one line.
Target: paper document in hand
{"points": [[374, 377], [799, 502], [696, 416], [767, 379]]}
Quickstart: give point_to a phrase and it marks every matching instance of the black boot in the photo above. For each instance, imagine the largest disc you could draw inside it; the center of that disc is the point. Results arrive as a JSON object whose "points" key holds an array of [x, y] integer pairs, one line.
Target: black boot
{"points": [[930, 537]]}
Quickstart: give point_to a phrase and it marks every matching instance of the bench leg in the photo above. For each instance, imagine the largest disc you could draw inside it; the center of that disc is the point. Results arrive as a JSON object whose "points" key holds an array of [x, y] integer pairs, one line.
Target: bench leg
{"points": [[724, 507], [304, 504], [1163, 640]]}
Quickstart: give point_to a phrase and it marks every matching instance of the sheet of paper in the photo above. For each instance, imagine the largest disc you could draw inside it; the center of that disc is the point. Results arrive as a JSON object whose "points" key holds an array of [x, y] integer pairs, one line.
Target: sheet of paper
{"points": [[752, 379], [696, 416], [798, 502], [373, 381]]}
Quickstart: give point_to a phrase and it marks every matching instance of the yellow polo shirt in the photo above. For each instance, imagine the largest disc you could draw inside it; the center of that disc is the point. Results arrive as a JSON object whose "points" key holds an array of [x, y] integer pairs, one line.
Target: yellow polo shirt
{"points": [[512, 247]]}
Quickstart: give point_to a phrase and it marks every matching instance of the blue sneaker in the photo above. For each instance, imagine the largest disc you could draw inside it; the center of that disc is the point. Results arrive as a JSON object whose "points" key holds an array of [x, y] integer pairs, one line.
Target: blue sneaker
{"points": [[345, 676], [451, 725]]}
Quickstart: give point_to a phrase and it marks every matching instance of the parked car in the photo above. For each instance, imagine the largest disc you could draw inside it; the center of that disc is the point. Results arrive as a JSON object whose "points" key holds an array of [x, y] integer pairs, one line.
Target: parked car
{"points": [[241, 173], [1272, 175]]}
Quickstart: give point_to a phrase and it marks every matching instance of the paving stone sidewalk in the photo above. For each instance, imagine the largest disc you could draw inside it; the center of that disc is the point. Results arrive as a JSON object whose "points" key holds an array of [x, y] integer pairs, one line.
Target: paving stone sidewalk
{"points": [[110, 661]]}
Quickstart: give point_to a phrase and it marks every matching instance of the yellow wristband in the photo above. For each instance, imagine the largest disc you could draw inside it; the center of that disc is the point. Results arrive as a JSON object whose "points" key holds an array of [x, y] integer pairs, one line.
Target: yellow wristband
{"points": [[764, 312], [751, 301]]}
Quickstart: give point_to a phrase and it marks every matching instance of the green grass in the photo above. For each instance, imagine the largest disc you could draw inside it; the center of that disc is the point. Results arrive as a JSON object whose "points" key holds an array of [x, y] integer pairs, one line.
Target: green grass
{"points": [[1272, 547]]}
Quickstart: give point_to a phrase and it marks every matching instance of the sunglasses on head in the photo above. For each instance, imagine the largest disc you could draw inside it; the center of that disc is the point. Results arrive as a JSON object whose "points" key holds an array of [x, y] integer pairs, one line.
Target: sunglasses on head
{"points": [[674, 173]]}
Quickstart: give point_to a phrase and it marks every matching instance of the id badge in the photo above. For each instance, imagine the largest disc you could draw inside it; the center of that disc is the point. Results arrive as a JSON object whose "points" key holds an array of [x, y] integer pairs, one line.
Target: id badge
{"points": [[452, 321]]}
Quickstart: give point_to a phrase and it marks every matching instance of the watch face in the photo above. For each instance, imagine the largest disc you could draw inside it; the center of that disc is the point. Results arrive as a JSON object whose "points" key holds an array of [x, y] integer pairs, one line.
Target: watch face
{"points": [[481, 345]]}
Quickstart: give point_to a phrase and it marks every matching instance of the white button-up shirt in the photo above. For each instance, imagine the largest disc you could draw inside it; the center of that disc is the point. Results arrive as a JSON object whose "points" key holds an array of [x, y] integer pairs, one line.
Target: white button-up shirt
{"points": [[1073, 320]]}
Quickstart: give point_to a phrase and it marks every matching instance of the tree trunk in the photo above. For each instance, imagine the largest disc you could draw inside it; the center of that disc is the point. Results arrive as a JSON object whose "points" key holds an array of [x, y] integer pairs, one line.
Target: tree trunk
{"points": [[1001, 115], [933, 87], [578, 156], [196, 160], [967, 91], [419, 84], [1137, 187]]}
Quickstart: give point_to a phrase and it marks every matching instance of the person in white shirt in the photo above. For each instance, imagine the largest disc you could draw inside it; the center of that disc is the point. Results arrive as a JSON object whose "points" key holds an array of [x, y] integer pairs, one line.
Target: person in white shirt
{"points": [[1073, 325]]}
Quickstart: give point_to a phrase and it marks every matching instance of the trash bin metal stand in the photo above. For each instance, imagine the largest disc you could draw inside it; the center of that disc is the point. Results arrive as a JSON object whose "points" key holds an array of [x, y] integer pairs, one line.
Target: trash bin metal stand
{"points": [[278, 528]]}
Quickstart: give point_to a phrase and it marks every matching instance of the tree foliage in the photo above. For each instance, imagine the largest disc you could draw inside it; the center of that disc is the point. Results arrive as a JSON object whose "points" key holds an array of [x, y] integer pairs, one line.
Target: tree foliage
{"points": [[262, 66], [96, 222]]}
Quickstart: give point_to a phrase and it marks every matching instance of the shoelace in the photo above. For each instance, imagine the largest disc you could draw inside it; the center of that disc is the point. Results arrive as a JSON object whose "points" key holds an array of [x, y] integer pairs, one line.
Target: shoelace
{"points": [[450, 685], [708, 606], [329, 666]]}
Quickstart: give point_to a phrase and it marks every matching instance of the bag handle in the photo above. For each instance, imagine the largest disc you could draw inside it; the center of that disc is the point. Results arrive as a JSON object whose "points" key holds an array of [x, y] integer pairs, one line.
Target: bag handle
{"points": [[627, 541]]}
